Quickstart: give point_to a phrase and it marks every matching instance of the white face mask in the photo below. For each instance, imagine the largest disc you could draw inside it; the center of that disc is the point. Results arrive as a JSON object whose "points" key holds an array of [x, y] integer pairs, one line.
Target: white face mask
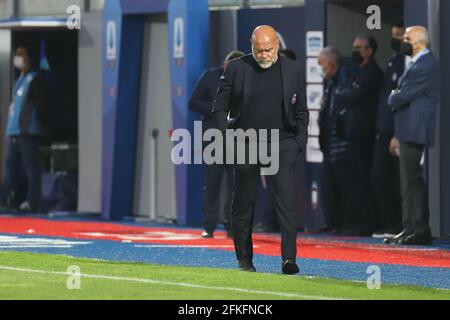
{"points": [[321, 73], [19, 62]]}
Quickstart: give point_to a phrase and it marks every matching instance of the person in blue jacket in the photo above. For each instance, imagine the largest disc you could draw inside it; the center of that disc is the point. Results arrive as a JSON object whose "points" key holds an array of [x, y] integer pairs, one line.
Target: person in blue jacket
{"points": [[415, 104], [24, 129], [336, 186]]}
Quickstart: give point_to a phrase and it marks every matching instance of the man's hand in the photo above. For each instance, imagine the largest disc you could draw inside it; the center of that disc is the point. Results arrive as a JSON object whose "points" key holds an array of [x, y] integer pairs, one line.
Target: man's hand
{"points": [[393, 147]]}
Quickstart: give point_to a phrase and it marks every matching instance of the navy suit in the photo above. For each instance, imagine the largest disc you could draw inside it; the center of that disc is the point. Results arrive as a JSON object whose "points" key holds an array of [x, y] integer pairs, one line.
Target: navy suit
{"points": [[415, 102], [415, 105], [361, 99], [385, 169], [202, 101]]}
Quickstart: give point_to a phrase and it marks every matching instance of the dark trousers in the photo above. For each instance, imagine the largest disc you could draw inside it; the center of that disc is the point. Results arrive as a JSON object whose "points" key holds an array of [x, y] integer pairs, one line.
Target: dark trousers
{"points": [[23, 156], [211, 196], [281, 186], [337, 193], [386, 184], [414, 192], [361, 152]]}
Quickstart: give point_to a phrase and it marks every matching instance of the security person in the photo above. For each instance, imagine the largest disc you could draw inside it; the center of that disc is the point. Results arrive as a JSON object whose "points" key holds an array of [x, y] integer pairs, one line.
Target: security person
{"points": [[361, 98], [25, 127]]}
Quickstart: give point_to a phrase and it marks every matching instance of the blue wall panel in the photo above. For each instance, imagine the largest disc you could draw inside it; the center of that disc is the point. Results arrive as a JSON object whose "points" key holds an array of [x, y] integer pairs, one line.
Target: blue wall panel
{"points": [[121, 84], [185, 74]]}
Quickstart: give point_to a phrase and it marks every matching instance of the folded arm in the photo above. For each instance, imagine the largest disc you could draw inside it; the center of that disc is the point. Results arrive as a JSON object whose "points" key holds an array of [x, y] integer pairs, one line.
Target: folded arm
{"points": [[412, 88]]}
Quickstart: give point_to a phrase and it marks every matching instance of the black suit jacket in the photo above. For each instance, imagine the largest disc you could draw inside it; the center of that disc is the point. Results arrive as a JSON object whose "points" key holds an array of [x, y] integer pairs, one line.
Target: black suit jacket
{"points": [[361, 99], [233, 95], [385, 117], [202, 99]]}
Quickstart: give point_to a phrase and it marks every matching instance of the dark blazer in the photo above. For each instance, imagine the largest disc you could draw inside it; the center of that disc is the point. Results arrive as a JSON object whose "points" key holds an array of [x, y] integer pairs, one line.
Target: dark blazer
{"points": [[385, 118], [327, 119], [361, 97], [233, 95], [415, 102], [203, 96]]}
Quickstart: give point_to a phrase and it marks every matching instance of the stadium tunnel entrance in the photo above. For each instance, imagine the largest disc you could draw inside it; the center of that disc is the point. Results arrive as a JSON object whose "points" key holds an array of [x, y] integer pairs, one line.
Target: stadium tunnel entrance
{"points": [[54, 49], [154, 185]]}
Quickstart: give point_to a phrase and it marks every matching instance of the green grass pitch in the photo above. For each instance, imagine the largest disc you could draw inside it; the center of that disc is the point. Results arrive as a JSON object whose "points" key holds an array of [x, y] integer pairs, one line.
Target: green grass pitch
{"points": [[26, 276]]}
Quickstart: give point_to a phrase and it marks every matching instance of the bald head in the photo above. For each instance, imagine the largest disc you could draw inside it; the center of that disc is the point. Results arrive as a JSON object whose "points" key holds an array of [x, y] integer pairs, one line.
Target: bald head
{"points": [[264, 34], [418, 37], [265, 46], [419, 34]]}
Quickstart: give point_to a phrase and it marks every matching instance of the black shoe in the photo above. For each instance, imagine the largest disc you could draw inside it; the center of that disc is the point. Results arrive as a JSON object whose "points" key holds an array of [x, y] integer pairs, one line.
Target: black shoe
{"points": [[415, 240], [397, 238], [246, 266], [290, 267], [207, 234]]}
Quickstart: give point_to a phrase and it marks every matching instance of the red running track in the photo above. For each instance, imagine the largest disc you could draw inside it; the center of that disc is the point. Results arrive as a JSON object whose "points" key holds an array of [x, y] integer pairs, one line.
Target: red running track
{"points": [[264, 244]]}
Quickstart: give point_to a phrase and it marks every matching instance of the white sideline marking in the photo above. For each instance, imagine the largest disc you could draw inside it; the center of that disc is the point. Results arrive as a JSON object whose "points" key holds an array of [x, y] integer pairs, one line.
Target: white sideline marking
{"points": [[178, 284], [37, 246]]}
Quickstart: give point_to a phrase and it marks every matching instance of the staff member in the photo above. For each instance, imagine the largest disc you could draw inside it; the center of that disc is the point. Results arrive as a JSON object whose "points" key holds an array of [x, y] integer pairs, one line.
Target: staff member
{"points": [[336, 187], [202, 101], [415, 105], [265, 91], [361, 98], [26, 116], [385, 169]]}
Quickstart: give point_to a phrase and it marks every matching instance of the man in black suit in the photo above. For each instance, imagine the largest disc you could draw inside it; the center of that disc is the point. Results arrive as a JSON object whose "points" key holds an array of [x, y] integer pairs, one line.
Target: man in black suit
{"points": [[265, 91], [415, 103], [202, 101], [361, 98], [385, 169]]}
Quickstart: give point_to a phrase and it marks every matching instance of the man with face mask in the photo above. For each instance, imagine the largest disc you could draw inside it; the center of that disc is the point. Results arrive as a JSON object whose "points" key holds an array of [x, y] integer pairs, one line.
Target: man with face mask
{"points": [[415, 103], [265, 91], [336, 190], [361, 99], [385, 170], [24, 130]]}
